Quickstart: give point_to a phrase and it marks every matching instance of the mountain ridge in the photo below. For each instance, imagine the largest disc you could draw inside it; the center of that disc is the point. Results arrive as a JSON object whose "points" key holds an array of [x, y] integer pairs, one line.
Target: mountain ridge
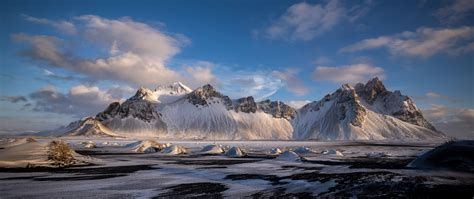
{"points": [[349, 113]]}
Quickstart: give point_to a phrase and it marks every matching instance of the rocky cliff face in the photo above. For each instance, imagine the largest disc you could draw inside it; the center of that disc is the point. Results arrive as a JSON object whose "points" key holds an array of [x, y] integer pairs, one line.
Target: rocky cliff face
{"points": [[140, 106], [277, 109], [348, 106], [201, 95], [366, 111], [395, 104], [245, 104]]}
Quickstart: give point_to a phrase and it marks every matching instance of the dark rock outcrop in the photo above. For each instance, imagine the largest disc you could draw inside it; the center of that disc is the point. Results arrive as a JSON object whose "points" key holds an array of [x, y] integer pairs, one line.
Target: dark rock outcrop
{"points": [[202, 94], [391, 103], [277, 109], [245, 104]]}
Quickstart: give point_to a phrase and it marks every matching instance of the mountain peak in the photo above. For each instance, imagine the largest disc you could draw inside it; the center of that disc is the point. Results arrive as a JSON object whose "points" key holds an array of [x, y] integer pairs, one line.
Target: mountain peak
{"points": [[144, 93], [371, 90], [207, 91], [208, 87], [346, 87], [174, 88], [375, 84], [201, 94]]}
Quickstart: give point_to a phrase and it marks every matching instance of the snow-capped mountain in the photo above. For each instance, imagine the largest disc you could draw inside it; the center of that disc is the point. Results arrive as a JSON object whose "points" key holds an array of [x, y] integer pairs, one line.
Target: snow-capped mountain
{"points": [[381, 101], [207, 114], [139, 114], [366, 111], [201, 114]]}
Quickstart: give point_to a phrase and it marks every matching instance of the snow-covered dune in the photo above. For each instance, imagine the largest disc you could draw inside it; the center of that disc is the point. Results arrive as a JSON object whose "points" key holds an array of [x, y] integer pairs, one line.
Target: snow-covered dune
{"points": [[40, 154]]}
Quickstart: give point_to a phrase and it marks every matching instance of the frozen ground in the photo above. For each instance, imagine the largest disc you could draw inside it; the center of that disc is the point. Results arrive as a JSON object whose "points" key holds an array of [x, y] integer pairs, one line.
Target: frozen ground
{"points": [[363, 169]]}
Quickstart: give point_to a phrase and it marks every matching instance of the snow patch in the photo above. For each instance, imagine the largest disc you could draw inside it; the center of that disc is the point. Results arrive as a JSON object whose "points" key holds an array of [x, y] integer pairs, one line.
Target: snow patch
{"points": [[235, 152], [174, 150], [212, 149], [332, 152], [288, 156]]}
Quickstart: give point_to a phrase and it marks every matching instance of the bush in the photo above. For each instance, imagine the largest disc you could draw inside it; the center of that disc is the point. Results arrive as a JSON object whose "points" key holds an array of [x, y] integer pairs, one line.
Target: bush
{"points": [[60, 154]]}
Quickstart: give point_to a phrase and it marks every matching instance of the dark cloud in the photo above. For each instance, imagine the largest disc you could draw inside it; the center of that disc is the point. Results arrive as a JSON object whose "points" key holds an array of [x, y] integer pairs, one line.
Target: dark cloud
{"points": [[14, 99], [456, 11], [432, 97], [455, 122], [80, 101]]}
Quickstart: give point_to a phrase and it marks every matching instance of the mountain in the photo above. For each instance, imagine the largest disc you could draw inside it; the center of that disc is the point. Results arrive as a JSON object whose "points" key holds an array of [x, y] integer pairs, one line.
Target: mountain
{"points": [[381, 101], [88, 126], [363, 112], [139, 114], [207, 114]]}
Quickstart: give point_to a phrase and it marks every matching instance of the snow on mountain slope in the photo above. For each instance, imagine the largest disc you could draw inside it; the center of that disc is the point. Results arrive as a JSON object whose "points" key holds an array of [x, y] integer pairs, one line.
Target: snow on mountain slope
{"points": [[207, 114], [88, 126], [171, 93], [344, 115], [378, 99], [366, 112], [138, 114], [201, 114]]}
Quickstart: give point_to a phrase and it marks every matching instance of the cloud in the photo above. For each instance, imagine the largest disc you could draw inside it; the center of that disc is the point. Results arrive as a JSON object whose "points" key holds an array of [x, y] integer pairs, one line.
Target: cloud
{"points": [[434, 96], [138, 53], [292, 82], [55, 76], [79, 101], [457, 11], [43, 48], [201, 73], [354, 73], [456, 122], [120, 92], [13, 99], [322, 60], [424, 42], [259, 85], [298, 103], [305, 21], [63, 26]]}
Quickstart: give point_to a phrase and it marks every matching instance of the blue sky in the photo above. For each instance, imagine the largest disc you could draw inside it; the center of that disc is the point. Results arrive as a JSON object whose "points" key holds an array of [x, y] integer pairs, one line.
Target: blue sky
{"points": [[56, 55]]}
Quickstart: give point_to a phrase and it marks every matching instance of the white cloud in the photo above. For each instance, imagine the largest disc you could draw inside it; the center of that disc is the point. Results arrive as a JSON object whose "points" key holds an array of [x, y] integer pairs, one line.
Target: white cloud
{"points": [[354, 73], [258, 84], [456, 122], [292, 82], [322, 60], [433, 95], [201, 73], [79, 101], [305, 21], [457, 11], [298, 103], [138, 52], [63, 26], [55, 76], [424, 42]]}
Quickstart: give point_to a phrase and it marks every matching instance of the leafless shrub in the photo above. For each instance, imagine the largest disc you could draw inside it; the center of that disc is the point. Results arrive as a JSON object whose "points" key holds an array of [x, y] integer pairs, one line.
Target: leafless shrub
{"points": [[60, 154]]}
